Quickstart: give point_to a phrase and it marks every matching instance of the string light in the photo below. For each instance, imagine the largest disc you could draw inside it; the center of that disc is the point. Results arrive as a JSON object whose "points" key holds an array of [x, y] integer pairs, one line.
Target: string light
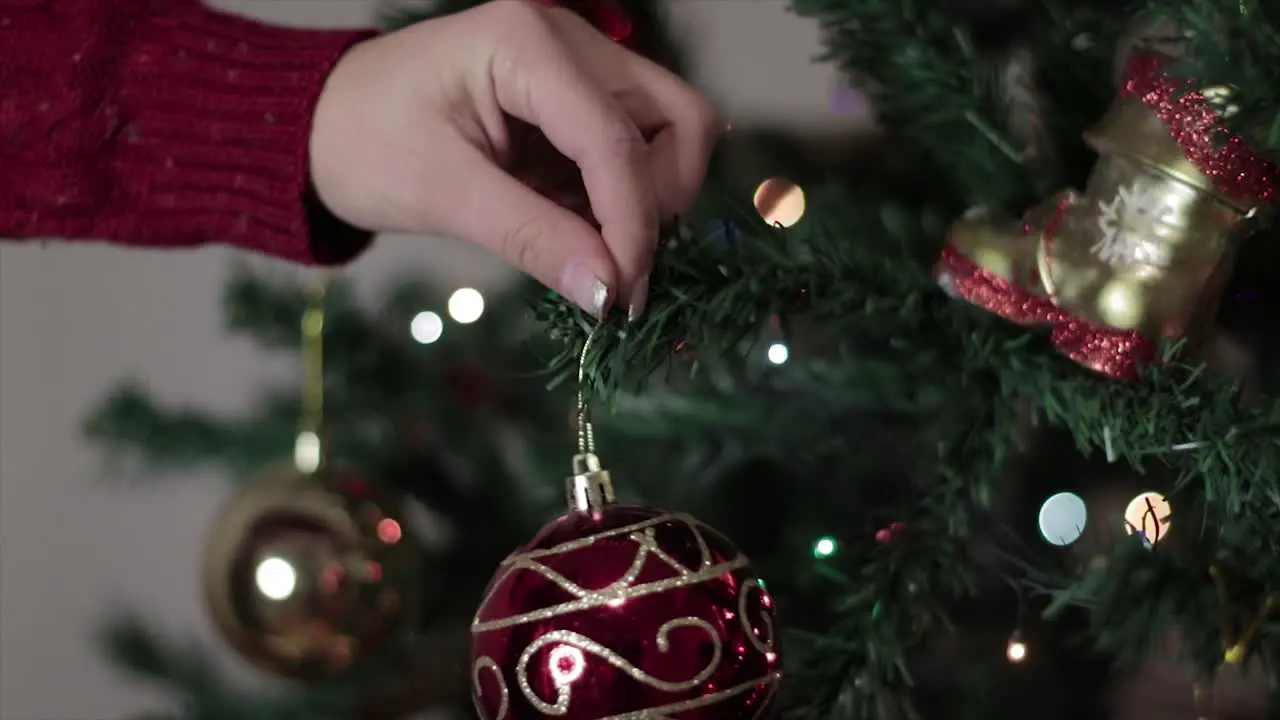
{"points": [[275, 578], [307, 452], [1016, 650], [466, 305], [825, 547], [1062, 518], [778, 353], [426, 327], [1148, 515], [780, 202]]}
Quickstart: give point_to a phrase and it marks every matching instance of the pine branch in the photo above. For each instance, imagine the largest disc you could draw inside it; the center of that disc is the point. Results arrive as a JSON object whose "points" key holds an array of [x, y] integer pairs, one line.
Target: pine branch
{"points": [[131, 425], [929, 83], [383, 389], [860, 268], [200, 689], [861, 275], [182, 669]]}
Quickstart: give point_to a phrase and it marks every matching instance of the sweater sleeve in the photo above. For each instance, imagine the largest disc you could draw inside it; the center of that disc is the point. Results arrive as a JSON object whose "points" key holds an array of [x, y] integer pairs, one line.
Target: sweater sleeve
{"points": [[163, 123]]}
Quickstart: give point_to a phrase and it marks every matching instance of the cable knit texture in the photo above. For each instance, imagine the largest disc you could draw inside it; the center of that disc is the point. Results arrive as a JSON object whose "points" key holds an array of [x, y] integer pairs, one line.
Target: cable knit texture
{"points": [[163, 123]]}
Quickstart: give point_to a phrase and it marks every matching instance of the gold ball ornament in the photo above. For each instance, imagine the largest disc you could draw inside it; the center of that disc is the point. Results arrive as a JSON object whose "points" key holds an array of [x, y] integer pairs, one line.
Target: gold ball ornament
{"points": [[306, 575]]}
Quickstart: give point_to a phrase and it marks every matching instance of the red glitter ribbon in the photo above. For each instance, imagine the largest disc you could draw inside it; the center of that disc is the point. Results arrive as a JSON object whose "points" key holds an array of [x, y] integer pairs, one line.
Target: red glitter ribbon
{"points": [[1236, 172], [1117, 354]]}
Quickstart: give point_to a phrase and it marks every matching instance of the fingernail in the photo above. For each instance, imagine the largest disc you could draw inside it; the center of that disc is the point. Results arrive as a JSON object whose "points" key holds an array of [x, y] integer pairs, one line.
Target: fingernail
{"points": [[586, 290], [639, 300]]}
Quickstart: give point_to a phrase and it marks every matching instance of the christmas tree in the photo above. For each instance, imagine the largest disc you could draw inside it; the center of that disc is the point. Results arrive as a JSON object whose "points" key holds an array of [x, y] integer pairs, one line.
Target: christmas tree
{"points": [[961, 401]]}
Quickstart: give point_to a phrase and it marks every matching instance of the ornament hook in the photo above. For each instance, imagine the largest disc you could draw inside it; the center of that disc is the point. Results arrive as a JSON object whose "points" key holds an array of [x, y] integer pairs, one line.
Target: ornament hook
{"points": [[586, 433], [589, 488], [309, 450]]}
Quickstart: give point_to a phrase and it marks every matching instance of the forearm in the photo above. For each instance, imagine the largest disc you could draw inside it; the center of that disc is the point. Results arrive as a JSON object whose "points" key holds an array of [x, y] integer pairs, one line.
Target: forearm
{"points": [[162, 123]]}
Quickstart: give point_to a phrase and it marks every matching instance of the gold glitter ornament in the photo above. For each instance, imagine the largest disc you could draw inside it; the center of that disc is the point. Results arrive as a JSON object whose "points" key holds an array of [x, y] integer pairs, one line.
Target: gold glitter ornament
{"points": [[1143, 253], [305, 575], [307, 570]]}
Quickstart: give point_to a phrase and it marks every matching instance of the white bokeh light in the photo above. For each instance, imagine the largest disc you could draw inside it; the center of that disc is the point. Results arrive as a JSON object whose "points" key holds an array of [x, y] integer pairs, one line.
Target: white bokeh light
{"points": [[824, 547], [778, 353], [1016, 651], [466, 305], [426, 327], [275, 578], [1062, 518], [307, 452]]}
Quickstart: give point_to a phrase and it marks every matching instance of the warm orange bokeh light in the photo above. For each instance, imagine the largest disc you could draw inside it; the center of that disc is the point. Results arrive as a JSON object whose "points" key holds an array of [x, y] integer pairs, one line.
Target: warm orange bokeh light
{"points": [[1148, 514], [779, 202]]}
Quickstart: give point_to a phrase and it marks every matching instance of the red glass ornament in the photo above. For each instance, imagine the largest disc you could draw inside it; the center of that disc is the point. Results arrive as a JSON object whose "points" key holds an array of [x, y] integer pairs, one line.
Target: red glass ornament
{"points": [[625, 611]]}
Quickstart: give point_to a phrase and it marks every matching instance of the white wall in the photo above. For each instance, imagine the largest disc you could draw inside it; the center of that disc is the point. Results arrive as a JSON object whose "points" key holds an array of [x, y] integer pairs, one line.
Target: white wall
{"points": [[76, 319]]}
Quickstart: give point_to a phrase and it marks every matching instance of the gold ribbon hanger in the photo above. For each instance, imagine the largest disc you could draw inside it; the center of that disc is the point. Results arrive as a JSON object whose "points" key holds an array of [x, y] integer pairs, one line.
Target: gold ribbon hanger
{"points": [[310, 448]]}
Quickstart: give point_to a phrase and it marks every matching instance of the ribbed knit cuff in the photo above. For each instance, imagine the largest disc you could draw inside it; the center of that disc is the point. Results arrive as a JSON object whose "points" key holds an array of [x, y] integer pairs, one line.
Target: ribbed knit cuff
{"points": [[216, 113]]}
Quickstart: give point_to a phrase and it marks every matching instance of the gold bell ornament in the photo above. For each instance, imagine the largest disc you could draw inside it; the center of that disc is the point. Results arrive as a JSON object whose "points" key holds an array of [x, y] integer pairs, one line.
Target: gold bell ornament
{"points": [[1141, 255], [308, 570]]}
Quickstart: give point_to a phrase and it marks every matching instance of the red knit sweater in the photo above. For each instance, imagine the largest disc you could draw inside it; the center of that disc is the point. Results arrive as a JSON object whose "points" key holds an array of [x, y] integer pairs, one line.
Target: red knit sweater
{"points": [[162, 123]]}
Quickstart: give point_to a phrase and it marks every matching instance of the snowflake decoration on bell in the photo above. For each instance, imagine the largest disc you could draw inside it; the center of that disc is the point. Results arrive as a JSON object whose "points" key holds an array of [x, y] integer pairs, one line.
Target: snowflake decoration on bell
{"points": [[1128, 225]]}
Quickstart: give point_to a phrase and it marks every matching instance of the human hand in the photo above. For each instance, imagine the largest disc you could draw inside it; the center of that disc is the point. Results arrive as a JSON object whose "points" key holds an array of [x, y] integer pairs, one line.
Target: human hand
{"points": [[416, 131]]}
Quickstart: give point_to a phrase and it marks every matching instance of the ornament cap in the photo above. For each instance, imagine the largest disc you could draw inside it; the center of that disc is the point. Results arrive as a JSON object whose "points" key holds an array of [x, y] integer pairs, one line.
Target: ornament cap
{"points": [[590, 487]]}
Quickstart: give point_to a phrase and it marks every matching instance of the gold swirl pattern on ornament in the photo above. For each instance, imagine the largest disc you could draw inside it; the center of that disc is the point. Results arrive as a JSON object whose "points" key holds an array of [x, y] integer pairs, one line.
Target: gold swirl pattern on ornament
{"points": [[765, 645], [621, 590], [564, 691], [487, 663], [670, 710]]}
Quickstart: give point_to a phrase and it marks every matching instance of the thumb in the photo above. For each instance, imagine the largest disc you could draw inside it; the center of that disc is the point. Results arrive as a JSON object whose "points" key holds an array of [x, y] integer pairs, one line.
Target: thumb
{"points": [[552, 244]]}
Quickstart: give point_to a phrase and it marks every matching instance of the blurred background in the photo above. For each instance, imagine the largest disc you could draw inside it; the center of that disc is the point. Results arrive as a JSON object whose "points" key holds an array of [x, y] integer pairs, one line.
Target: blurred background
{"points": [[76, 319]]}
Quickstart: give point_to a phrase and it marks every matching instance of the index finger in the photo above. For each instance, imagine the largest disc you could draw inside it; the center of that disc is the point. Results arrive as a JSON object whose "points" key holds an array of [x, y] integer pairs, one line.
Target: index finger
{"points": [[682, 126], [535, 79]]}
